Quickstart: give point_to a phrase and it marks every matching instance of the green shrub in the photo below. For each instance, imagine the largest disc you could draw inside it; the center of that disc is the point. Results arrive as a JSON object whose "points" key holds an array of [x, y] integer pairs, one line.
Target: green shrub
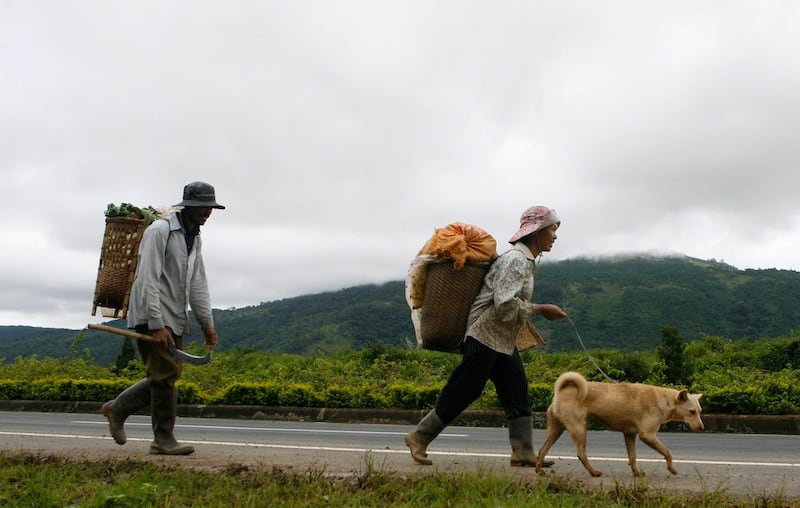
{"points": [[190, 393], [734, 400], [365, 397], [48, 389], [270, 394], [413, 396], [782, 393], [781, 355], [540, 396], [13, 389], [303, 395], [256, 394], [91, 389], [735, 376], [340, 397]]}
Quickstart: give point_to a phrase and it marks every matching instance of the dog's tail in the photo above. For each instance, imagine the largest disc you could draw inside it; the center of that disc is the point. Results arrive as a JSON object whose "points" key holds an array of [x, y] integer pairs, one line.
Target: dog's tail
{"points": [[572, 378]]}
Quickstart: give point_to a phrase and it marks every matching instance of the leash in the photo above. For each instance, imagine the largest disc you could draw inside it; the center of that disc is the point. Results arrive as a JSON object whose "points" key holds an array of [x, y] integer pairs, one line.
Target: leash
{"points": [[580, 340]]}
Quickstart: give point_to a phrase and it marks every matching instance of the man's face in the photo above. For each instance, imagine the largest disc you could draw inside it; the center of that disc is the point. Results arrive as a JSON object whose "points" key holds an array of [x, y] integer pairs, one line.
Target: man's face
{"points": [[197, 215]]}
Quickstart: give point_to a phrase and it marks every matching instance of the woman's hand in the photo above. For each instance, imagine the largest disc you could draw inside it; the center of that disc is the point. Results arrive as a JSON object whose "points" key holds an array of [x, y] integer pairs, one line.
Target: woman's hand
{"points": [[551, 312]]}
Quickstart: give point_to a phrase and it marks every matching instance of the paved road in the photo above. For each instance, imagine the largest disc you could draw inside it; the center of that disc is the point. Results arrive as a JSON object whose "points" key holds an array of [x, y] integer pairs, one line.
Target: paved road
{"points": [[733, 463]]}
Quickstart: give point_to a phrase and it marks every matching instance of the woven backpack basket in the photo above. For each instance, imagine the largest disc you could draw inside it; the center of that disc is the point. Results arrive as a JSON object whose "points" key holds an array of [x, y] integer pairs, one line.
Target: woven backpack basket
{"points": [[448, 297], [118, 257]]}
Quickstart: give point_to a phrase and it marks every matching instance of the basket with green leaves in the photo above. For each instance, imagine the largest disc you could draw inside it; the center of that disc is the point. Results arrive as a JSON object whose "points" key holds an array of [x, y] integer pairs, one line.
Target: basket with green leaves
{"points": [[118, 256]]}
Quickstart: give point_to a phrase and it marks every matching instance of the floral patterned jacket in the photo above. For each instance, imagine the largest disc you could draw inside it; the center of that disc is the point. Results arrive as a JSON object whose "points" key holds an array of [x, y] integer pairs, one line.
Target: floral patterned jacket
{"points": [[503, 305]]}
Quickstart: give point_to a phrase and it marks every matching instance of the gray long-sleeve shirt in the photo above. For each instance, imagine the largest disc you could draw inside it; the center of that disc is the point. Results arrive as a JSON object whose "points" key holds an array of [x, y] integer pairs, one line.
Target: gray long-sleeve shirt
{"points": [[169, 279], [503, 304]]}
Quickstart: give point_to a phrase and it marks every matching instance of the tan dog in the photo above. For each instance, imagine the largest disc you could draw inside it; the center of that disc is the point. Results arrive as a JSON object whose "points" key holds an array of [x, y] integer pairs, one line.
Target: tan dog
{"points": [[633, 409]]}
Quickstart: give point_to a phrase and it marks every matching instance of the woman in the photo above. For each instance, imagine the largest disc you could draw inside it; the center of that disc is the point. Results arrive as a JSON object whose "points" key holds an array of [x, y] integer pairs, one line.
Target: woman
{"points": [[489, 352]]}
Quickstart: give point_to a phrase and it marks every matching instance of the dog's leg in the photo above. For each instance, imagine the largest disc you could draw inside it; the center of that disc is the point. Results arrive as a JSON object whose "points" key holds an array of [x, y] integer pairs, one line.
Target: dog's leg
{"points": [[554, 431], [653, 442], [578, 434], [630, 446]]}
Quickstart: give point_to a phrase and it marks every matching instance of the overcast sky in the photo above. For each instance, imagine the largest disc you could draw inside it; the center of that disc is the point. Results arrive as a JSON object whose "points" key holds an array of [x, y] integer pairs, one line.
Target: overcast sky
{"points": [[339, 134]]}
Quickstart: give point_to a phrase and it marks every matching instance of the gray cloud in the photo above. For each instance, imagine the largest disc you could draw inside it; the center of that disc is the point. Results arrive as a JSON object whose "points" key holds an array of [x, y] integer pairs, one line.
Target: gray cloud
{"points": [[341, 134]]}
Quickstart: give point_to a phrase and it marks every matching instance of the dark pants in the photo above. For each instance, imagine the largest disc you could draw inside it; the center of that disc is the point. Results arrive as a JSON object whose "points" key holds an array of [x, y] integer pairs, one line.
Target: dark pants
{"points": [[480, 364], [160, 365]]}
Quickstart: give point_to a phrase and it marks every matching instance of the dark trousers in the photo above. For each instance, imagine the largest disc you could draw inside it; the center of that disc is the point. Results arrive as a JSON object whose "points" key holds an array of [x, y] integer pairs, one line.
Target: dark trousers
{"points": [[480, 364], [161, 366]]}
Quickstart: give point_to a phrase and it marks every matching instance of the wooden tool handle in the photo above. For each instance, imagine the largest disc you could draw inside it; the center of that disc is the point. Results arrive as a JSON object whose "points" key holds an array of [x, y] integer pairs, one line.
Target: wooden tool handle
{"points": [[120, 331]]}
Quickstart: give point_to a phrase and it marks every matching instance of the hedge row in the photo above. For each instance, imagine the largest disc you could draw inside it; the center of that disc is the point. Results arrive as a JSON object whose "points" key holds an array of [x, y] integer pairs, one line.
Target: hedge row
{"points": [[98, 390], [770, 398]]}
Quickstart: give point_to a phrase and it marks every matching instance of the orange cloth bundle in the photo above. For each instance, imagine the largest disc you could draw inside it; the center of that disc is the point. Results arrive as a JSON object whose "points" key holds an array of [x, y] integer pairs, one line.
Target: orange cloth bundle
{"points": [[439, 293], [457, 241], [462, 242]]}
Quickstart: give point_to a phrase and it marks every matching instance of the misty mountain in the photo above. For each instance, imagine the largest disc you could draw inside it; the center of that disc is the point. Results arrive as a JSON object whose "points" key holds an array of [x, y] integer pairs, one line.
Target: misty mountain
{"points": [[616, 303]]}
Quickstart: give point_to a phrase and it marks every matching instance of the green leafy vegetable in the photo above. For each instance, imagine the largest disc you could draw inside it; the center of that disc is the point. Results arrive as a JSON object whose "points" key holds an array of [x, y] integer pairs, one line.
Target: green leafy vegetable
{"points": [[147, 213]]}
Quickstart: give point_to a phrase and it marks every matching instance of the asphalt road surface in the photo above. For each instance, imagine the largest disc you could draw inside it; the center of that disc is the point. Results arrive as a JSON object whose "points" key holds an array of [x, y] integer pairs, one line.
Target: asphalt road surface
{"points": [[755, 464]]}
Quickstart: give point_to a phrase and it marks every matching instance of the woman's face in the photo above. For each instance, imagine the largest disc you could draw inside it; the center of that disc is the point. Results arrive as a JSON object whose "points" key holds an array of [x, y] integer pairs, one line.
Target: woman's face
{"points": [[547, 237]]}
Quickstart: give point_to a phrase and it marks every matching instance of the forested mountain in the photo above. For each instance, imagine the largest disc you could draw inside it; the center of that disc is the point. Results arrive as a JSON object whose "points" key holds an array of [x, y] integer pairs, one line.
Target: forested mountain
{"points": [[623, 303], [619, 303]]}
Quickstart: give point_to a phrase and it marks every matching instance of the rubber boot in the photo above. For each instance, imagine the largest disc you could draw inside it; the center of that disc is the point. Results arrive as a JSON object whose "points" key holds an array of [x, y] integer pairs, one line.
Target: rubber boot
{"points": [[520, 434], [418, 440], [165, 410], [133, 399]]}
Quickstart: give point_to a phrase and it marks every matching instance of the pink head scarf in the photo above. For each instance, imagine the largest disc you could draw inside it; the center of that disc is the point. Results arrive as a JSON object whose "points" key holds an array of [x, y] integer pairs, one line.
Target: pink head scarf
{"points": [[533, 219]]}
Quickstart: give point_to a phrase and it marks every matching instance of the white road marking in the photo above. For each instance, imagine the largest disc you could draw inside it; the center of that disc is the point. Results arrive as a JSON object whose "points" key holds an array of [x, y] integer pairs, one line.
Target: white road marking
{"points": [[404, 451], [272, 429]]}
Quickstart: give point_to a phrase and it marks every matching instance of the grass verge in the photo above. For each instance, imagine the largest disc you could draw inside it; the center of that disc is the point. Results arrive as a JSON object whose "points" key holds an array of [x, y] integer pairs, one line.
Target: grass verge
{"points": [[31, 480]]}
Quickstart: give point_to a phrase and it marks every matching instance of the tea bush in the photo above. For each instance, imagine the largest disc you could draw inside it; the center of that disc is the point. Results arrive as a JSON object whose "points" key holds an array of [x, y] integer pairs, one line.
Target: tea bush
{"points": [[738, 377]]}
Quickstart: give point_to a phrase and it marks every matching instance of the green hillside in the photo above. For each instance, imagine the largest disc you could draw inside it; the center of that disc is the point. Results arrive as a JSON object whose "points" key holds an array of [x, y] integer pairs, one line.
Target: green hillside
{"points": [[622, 303], [619, 303]]}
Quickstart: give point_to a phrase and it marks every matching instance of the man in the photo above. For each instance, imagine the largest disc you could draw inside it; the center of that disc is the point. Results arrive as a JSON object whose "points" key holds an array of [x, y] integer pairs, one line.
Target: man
{"points": [[170, 278]]}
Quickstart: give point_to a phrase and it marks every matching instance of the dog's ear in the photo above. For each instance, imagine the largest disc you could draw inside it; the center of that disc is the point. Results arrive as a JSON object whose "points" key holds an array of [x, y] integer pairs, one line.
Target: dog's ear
{"points": [[698, 395], [683, 395]]}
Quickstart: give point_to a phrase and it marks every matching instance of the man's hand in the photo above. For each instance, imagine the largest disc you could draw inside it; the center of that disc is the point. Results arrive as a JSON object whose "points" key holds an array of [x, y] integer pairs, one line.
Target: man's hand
{"points": [[163, 338], [210, 335], [551, 312]]}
